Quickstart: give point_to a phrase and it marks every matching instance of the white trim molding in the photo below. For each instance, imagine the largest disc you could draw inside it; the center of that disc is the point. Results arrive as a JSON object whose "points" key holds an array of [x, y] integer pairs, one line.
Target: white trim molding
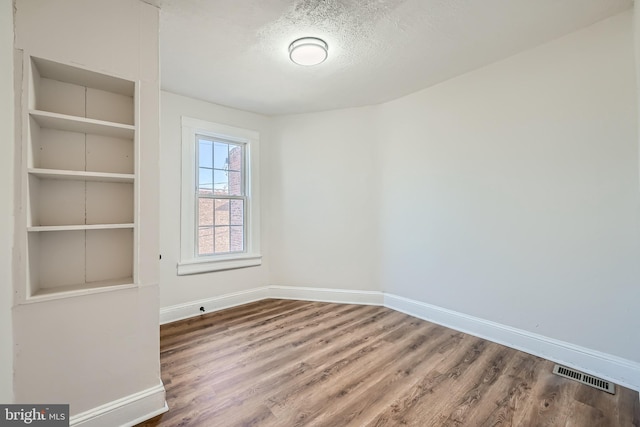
{"points": [[342, 296], [127, 411], [192, 309], [620, 371], [218, 264]]}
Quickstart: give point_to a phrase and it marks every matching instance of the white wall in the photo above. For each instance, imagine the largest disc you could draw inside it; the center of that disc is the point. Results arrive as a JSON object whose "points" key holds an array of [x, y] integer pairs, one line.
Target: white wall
{"points": [[174, 289], [98, 349], [7, 195], [511, 193], [324, 221]]}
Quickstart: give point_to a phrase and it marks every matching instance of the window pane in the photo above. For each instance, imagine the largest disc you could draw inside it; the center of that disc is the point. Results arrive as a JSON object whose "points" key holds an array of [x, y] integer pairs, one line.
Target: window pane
{"points": [[222, 212], [235, 158], [236, 212], [222, 239], [237, 239], [205, 180], [221, 182], [235, 183], [205, 240], [221, 155], [205, 154], [205, 211]]}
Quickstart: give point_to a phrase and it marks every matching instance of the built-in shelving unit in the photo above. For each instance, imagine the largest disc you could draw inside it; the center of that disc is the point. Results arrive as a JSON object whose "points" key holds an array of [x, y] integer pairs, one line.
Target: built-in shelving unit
{"points": [[80, 174]]}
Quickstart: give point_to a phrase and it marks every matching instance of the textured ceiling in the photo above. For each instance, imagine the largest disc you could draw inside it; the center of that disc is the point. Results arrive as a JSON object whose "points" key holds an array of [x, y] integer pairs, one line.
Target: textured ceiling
{"points": [[234, 53]]}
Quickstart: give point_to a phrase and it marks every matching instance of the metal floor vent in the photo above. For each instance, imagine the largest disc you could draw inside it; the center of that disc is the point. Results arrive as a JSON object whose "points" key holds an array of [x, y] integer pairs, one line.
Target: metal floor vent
{"points": [[583, 378]]}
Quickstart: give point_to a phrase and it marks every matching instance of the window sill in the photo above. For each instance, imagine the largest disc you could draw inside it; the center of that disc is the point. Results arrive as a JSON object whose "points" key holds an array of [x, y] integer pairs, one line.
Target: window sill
{"points": [[218, 264]]}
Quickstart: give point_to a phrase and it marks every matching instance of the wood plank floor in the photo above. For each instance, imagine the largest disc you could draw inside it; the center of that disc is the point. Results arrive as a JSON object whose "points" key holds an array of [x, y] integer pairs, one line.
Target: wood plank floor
{"points": [[298, 363]]}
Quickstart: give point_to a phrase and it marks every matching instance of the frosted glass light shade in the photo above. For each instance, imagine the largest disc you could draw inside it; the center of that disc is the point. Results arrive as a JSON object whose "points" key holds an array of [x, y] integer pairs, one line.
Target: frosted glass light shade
{"points": [[308, 51]]}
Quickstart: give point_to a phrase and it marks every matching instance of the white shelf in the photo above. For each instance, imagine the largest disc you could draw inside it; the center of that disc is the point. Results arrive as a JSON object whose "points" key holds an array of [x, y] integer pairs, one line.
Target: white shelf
{"points": [[81, 175], [81, 289], [82, 125], [79, 76], [79, 227]]}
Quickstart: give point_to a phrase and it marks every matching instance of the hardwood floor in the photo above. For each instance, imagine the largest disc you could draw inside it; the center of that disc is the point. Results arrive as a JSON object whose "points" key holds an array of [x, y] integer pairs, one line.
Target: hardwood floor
{"points": [[298, 363]]}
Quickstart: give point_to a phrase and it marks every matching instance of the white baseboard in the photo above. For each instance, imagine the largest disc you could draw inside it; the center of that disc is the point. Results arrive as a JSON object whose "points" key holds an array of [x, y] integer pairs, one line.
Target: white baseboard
{"points": [[127, 411], [620, 371], [343, 296], [192, 309]]}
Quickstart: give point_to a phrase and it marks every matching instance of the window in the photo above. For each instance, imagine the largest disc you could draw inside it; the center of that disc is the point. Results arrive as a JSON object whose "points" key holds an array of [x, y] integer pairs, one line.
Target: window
{"points": [[220, 216], [220, 196]]}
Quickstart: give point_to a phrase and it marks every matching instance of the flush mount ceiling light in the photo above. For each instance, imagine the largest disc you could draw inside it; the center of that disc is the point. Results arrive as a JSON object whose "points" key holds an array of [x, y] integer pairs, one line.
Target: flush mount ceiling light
{"points": [[308, 51]]}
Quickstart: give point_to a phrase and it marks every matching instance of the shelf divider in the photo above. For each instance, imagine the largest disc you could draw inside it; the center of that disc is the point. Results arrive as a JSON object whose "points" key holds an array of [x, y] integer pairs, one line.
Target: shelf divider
{"points": [[79, 227], [44, 294], [81, 175], [58, 121]]}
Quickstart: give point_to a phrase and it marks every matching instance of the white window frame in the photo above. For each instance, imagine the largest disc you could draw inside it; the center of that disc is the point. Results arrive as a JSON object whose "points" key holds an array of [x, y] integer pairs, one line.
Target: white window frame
{"points": [[190, 262]]}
